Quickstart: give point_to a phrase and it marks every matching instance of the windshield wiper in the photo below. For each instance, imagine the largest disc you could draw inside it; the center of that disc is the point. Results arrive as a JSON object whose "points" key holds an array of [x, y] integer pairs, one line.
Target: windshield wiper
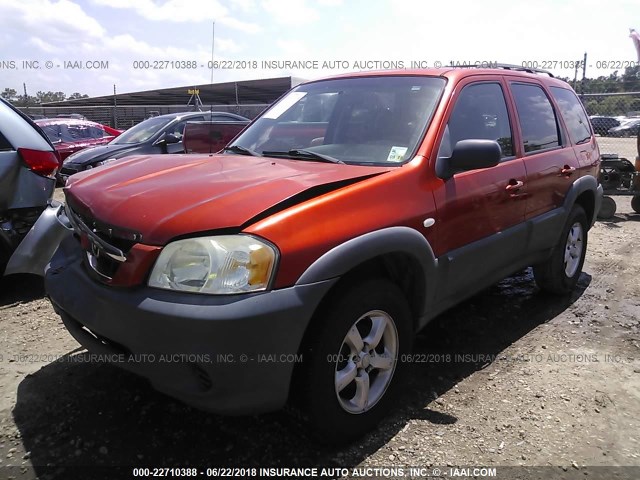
{"points": [[302, 154], [241, 150]]}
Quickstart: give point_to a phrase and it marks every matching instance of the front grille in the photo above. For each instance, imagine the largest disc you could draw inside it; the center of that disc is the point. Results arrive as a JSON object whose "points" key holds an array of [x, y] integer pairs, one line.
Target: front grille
{"points": [[106, 246]]}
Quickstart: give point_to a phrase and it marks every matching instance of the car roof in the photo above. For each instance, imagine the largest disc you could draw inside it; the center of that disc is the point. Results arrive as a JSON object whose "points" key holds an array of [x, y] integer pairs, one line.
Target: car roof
{"points": [[64, 121], [458, 73], [21, 131], [193, 114]]}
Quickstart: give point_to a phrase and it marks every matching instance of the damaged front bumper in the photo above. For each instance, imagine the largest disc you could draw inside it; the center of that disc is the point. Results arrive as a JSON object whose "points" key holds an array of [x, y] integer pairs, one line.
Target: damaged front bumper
{"points": [[38, 246]]}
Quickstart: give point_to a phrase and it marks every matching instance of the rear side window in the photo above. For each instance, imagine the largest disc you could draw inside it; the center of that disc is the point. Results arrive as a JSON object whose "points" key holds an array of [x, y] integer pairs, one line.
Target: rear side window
{"points": [[537, 118], [97, 132], [4, 144], [480, 112], [573, 114]]}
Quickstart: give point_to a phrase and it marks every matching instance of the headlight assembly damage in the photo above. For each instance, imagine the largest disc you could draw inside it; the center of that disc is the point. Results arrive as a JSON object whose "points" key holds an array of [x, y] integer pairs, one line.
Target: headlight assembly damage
{"points": [[224, 264]]}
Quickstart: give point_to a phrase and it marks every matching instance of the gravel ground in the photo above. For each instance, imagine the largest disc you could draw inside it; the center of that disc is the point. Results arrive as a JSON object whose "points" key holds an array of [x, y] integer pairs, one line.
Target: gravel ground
{"points": [[511, 377]]}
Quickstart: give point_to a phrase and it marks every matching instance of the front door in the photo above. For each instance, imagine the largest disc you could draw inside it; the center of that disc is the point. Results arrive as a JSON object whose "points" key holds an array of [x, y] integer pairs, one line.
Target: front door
{"points": [[480, 229]]}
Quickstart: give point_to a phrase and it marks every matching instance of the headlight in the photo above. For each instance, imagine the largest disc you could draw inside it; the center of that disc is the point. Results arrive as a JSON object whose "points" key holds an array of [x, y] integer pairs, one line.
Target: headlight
{"points": [[104, 162], [223, 264]]}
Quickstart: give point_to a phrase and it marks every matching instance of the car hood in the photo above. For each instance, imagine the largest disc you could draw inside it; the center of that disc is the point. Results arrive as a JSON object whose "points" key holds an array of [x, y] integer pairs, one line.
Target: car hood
{"points": [[163, 197], [99, 154]]}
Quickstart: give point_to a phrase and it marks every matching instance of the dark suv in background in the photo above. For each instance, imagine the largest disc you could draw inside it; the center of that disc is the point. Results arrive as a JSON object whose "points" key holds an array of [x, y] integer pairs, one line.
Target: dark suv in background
{"points": [[28, 165], [161, 134], [602, 125]]}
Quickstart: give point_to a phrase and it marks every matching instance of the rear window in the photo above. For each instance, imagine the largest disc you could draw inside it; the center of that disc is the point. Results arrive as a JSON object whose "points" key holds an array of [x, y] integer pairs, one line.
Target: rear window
{"points": [[537, 118], [4, 144], [573, 114]]}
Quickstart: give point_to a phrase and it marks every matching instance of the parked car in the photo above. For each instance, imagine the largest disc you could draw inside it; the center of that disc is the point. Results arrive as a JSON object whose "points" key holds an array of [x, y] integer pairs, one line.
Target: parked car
{"points": [[628, 128], [298, 265], [210, 137], [161, 134], [70, 135], [602, 125], [75, 116], [28, 164]]}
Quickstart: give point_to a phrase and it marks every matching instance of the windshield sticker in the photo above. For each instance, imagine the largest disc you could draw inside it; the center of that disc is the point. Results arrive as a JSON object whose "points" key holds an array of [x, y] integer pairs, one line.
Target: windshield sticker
{"points": [[396, 154], [284, 105]]}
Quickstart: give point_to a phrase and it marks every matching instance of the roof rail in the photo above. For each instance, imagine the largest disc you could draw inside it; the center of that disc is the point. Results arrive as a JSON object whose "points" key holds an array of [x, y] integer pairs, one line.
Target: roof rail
{"points": [[504, 66]]}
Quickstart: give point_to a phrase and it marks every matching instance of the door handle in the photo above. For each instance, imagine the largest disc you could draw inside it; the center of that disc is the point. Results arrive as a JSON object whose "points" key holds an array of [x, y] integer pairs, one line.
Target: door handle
{"points": [[567, 170], [514, 185]]}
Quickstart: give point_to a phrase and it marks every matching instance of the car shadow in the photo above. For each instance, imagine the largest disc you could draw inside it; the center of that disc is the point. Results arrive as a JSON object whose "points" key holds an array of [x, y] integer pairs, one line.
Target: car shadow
{"points": [[620, 218], [77, 413], [20, 288]]}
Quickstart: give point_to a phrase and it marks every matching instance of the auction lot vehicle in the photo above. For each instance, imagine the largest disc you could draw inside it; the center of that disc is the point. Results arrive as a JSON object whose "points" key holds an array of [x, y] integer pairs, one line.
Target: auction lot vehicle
{"points": [[210, 137], [159, 134], [28, 164], [629, 128], [602, 125], [298, 264], [70, 135]]}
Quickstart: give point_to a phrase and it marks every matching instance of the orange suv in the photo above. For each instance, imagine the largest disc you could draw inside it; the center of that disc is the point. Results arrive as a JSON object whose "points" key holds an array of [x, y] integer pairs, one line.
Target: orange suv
{"points": [[300, 261]]}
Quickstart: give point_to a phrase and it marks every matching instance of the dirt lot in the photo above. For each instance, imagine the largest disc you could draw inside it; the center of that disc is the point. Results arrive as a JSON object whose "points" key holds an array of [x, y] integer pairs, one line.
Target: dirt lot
{"points": [[511, 377]]}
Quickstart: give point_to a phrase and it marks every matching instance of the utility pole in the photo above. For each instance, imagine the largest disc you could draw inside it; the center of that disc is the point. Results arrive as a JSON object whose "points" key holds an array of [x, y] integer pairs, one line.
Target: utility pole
{"points": [[584, 74], [115, 108], [213, 41], [26, 97]]}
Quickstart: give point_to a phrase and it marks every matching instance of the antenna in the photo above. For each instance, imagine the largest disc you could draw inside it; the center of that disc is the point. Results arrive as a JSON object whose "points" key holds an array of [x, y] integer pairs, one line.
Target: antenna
{"points": [[213, 41]]}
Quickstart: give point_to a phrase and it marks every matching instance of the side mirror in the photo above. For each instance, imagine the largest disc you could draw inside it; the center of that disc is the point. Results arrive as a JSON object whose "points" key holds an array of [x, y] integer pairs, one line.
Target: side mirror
{"points": [[166, 139], [170, 138], [468, 155]]}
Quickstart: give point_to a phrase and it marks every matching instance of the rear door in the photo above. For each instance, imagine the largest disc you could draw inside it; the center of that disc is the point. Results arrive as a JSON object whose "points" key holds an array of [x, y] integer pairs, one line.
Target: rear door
{"points": [[480, 229], [578, 127], [550, 162]]}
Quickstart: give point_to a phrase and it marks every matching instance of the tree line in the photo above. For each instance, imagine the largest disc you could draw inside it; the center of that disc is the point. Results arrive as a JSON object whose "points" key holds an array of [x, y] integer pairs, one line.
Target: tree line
{"points": [[11, 96]]}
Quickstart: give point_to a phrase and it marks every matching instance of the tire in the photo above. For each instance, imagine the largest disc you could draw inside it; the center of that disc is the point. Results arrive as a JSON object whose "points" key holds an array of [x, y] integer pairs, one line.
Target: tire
{"points": [[5, 255], [559, 274], [607, 208], [344, 393], [635, 203]]}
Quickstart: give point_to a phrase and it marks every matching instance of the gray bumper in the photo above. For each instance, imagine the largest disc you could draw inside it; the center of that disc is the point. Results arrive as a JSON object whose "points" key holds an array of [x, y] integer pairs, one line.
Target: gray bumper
{"points": [[227, 354], [40, 243]]}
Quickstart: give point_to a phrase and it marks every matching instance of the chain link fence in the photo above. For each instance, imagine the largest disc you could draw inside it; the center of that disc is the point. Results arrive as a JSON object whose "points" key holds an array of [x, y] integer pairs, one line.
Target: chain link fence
{"points": [[616, 120], [126, 116]]}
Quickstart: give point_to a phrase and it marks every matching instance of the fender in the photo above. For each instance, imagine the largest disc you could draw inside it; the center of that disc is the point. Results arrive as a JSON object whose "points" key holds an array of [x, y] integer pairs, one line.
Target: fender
{"points": [[581, 185], [342, 258], [38, 246]]}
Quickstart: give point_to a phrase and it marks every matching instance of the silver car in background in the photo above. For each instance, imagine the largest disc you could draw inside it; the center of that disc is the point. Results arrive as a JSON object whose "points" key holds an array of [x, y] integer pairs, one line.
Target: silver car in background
{"points": [[28, 166]]}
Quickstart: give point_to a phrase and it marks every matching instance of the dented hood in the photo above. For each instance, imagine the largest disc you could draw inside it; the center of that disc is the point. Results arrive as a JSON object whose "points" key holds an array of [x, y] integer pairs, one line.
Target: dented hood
{"points": [[167, 196]]}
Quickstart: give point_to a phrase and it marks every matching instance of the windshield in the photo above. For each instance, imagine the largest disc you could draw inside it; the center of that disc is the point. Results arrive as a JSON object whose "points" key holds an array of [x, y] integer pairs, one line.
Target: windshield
{"points": [[364, 120], [142, 131]]}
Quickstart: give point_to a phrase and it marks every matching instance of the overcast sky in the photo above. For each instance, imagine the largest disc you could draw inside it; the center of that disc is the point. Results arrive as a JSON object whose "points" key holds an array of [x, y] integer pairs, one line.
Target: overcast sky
{"points": [[122, 32]]}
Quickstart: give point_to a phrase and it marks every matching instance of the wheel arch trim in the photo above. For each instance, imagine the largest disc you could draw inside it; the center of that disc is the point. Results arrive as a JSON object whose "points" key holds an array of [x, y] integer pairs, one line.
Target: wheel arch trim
{"points": [[586, 183], [344, 257]]}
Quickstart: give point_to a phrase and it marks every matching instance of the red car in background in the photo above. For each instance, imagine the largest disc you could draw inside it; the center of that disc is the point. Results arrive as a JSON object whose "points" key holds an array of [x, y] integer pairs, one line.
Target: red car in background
{"points": [[69, 135]]}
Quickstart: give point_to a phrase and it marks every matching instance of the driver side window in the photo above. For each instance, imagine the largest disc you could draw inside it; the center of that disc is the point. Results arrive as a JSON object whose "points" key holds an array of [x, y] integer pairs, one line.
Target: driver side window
{"points": [[178, 129], [480, 112]]}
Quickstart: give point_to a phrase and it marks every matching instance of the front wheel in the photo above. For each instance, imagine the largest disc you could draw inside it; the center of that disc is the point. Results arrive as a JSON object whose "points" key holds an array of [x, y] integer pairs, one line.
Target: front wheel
{"points": [[635, 203], [560, 273], [353, 360]]}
